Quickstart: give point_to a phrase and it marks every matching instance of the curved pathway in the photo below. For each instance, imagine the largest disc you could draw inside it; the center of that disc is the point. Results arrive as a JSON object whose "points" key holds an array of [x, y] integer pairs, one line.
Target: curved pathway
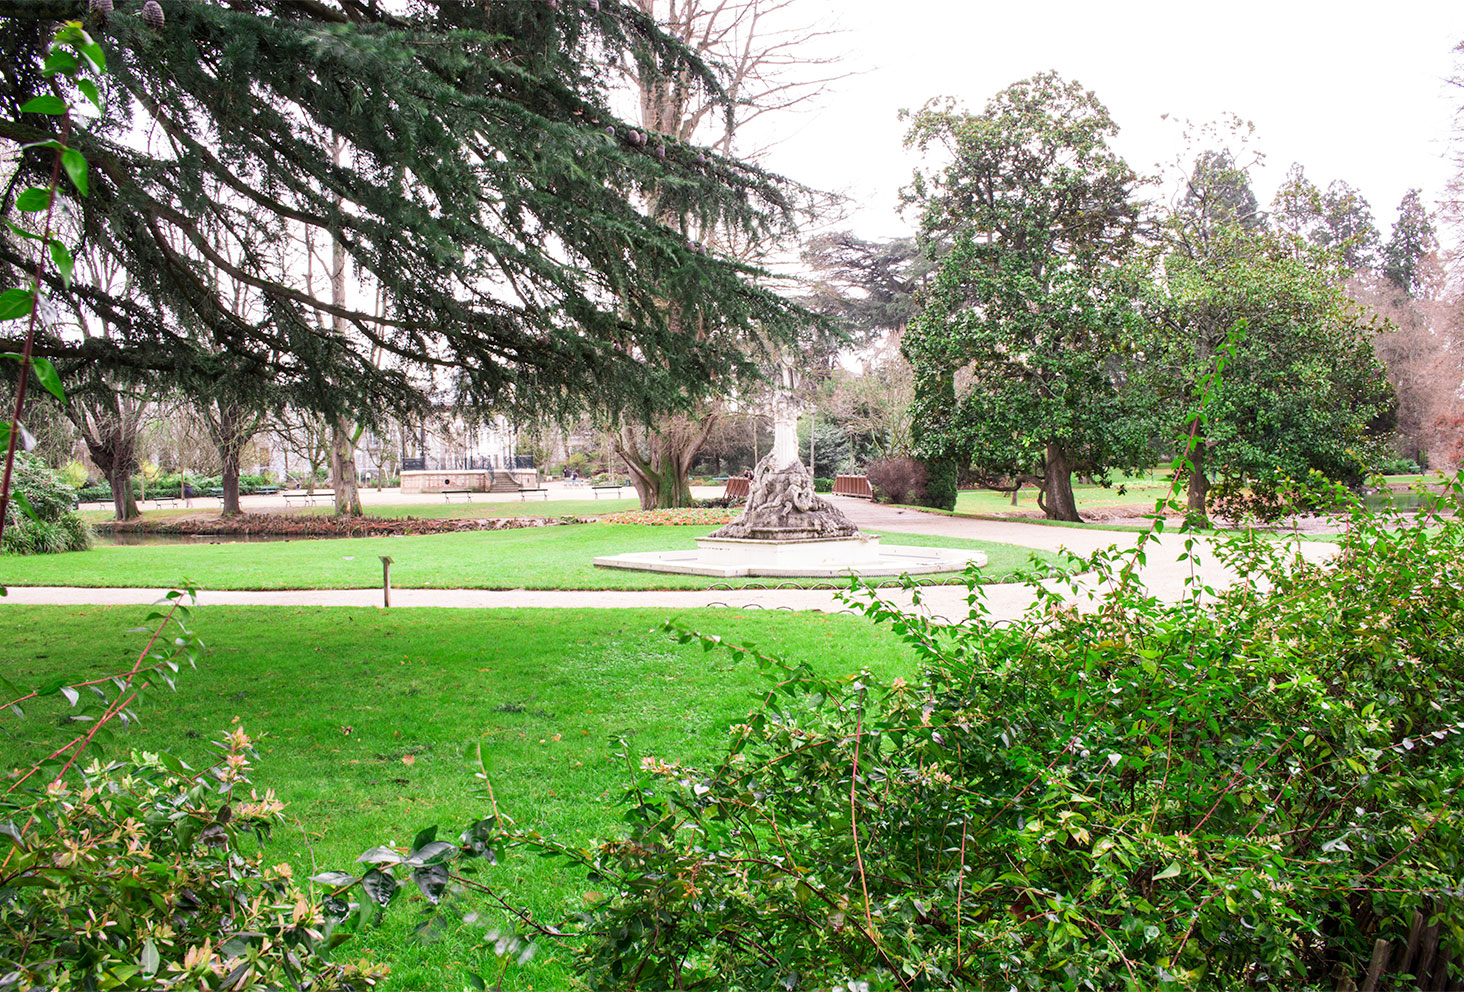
{"points": [[1163, 572]]}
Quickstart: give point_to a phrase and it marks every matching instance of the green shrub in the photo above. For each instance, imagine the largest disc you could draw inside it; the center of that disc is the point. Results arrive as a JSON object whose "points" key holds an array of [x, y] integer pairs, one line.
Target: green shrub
{"points": [[75, 474], [1236, 789], [823, 485], [941, 484], [1398, 466], [1139, 796], [55, 526]]}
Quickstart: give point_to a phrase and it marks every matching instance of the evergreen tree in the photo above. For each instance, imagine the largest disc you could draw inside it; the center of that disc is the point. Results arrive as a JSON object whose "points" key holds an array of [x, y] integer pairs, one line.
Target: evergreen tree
{"points": [[487, 189], [1412, 238]]}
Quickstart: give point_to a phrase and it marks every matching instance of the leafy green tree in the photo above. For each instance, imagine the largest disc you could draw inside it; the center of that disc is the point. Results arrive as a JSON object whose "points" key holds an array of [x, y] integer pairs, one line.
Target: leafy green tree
{"points": [[1413, 236], [486, 187], [1018, 353], [1301, 384]]}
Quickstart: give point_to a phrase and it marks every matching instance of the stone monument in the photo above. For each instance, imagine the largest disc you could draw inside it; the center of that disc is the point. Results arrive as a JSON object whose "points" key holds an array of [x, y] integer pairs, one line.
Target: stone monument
{"points": [[787, 529]]}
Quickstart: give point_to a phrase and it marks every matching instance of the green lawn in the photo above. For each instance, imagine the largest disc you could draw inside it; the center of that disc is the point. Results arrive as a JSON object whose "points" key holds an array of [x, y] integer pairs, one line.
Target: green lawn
{"points": [[365, 715], [526, 558], [1142, 491]]}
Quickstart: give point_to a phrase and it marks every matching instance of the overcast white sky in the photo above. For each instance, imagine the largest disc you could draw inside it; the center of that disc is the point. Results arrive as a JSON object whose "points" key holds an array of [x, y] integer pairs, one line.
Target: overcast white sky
{"points": [[1351, 91]]}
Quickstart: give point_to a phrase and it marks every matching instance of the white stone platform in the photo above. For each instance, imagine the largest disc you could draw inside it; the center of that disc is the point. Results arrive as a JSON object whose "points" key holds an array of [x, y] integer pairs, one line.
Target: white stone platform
{"points": [[730, 558]]}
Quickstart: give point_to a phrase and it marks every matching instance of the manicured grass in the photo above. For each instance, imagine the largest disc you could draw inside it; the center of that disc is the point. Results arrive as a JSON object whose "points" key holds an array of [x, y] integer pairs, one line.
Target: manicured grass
{"points": [[526, 558], [365, 716], [1141, 491]]}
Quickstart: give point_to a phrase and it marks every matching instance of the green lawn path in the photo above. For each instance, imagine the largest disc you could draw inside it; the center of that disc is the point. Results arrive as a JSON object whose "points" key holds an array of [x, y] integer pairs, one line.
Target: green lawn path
{"points": [[363, 717], [524, 558]]}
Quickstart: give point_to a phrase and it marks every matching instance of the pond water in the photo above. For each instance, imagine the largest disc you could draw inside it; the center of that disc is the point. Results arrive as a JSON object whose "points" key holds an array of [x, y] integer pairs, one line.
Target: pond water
{"points": [[1400, 501]]}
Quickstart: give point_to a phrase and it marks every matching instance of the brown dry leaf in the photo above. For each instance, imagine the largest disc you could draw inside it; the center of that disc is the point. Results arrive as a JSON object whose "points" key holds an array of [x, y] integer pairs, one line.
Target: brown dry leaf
{"points": [[409, 759]]}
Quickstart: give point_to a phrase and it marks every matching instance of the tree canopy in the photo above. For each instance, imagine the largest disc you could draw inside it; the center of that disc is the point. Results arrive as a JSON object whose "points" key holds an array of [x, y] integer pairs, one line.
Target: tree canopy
{"points": [[485, 190], [1030, 223]]}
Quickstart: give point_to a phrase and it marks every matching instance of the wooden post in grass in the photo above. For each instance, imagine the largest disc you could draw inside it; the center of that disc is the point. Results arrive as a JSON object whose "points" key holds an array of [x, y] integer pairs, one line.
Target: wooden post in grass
{"points": [[385, 582]]}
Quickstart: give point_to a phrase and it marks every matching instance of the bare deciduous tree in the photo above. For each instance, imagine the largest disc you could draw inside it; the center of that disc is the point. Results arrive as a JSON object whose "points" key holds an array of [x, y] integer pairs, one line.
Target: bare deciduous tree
{"points": [[768, 65]]}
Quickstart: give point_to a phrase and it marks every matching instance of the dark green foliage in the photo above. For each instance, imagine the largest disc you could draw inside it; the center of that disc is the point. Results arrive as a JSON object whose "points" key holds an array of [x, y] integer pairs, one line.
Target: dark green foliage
{"points": [[1412, 238], [55, 527], [508, 231], [168, 484], [941, 477], [1302, 385], [1030, 224], [1141, 796]]}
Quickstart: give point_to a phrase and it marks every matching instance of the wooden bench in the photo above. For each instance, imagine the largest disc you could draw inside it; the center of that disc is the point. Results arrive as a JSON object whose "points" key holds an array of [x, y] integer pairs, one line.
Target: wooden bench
{"points": [[170, 500], [448, 494], [853, 485], [307, 496], [525, 490], [599, 489], [738, 485]]}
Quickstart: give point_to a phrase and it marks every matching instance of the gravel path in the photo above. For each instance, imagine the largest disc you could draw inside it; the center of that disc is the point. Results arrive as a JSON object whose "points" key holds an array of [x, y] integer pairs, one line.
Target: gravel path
{"points": [[1164, 574]]}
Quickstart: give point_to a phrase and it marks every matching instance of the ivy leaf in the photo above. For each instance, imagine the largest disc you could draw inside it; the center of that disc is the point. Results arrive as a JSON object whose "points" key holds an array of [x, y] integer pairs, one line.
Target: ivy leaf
{"points": [[33, 200], [46, 103], [74, 162], [61, 255], [46, 373], [15, 303]]}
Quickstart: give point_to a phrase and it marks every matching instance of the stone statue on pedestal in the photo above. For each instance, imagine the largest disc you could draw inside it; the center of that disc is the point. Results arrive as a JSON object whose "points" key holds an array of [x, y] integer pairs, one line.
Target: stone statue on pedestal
{"points": [[781, 503]]}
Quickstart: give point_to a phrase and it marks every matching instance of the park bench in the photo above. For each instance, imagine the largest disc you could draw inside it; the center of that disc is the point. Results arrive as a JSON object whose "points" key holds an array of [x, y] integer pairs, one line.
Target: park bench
{"points": [[607, 488], [738, 485], [448, 494], [853, 485], [265, 491], [170, 500], [306, 496], [525, 490]]}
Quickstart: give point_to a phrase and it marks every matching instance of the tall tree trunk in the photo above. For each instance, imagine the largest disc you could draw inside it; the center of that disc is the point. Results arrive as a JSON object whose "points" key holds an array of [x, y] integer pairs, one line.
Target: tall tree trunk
{"points": [[345, 482], [1056, 499], [1199, 483], [344, 479]]}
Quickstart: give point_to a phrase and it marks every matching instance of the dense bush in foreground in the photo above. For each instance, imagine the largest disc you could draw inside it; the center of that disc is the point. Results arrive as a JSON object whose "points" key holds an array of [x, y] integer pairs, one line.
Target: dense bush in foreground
{"points": [[55, 526], [1241, 789]]}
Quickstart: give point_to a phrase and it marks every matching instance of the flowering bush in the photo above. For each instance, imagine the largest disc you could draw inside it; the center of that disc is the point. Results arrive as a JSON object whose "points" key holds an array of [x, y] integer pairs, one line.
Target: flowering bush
{"points": [[131, 875], [679, 517]]}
